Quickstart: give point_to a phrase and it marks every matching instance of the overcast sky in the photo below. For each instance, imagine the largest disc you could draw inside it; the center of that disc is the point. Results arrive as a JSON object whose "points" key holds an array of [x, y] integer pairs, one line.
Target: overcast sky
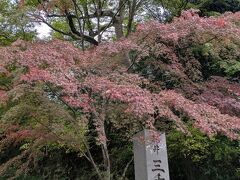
{"points": [[43, 30]]}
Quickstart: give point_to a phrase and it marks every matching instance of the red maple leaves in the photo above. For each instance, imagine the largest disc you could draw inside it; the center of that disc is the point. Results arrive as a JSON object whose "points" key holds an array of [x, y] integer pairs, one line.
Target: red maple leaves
{"points": [[85, 78]]}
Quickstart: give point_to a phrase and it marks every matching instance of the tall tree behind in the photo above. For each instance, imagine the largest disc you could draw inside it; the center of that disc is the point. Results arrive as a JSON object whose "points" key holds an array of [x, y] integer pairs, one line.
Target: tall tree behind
{"points": [[86, 21]]}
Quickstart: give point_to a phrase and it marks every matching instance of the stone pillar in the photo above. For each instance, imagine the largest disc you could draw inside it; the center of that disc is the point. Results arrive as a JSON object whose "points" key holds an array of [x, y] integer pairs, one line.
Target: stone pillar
{"points": [[150, 156]]}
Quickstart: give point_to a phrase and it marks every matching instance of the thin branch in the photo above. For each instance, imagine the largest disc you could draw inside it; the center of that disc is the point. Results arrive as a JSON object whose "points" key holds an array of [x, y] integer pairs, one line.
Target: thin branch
{"points": [[126, 168], [113, 17]]}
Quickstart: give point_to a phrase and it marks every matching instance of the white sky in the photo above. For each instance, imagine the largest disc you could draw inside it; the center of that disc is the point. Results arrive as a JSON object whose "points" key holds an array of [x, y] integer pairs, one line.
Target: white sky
{"points": [[43, 30]]}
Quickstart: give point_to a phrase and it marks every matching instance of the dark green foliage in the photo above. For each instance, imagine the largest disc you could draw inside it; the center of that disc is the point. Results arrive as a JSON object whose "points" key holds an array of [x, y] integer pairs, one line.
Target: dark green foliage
{"points": [[200, 157], [215, 7], [220, 6]]}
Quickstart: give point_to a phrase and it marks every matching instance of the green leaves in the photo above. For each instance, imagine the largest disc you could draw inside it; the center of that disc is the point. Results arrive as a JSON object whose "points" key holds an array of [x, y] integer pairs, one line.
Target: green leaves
{"points": [[219, 57], [14, 23], [61, 25], [230, 68], [207, 158]]}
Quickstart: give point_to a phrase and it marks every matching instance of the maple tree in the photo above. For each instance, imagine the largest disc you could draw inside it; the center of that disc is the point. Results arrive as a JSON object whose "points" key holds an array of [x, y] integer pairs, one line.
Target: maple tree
{"points": [[166, 81]]}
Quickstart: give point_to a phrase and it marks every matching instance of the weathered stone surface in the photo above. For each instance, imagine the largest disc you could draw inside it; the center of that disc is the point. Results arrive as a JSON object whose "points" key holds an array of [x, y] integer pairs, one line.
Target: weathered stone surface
{"points": [[150, 156]]}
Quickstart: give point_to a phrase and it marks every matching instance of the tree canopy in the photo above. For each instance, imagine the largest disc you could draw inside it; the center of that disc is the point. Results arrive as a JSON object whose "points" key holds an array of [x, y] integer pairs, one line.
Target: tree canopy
{"points": [[86, 21]]}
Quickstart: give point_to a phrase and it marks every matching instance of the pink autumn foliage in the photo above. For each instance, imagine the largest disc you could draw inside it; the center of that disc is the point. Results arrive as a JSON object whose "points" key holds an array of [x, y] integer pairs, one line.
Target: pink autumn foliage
{"points": [[83, 77], [15, 134], [3, 96], [190, 22], [158, 38], [208, 118], [223, 94]]}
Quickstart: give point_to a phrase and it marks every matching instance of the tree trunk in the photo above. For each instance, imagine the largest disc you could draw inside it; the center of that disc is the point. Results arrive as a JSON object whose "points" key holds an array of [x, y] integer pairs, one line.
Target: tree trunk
{"points": [[118, 20], [131, 14]]}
